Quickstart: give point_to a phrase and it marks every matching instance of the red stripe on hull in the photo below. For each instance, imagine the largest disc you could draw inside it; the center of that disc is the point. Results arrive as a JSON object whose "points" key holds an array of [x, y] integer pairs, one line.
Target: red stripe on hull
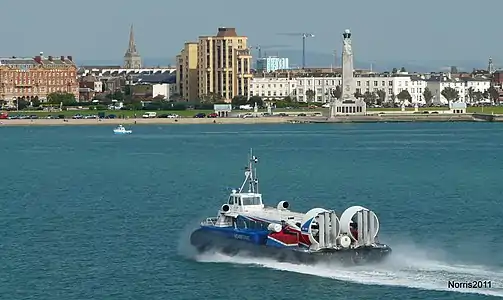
{"points": [[285, 237]]}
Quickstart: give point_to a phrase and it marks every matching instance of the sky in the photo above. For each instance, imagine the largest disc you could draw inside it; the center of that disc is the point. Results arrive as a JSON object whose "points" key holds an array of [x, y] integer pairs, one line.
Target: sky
{"points": [[430, 32]]}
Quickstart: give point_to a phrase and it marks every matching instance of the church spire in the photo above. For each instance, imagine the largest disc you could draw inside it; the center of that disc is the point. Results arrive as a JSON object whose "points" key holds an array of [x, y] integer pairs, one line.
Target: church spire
{"points": [[132, 59], [132, 44]]}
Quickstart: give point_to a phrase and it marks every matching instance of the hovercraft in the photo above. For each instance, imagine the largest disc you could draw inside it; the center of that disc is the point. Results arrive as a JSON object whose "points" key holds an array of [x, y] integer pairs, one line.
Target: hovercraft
{"points": [[244, 224]]}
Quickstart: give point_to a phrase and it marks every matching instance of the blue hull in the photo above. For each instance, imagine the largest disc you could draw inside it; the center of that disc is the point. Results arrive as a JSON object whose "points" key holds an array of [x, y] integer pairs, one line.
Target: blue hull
{"points": [[232, 242]]}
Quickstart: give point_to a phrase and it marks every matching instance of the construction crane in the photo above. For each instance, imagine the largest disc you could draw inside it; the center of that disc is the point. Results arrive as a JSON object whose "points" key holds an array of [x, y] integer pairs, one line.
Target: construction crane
{"points": [[304, 37], [263, 47]]}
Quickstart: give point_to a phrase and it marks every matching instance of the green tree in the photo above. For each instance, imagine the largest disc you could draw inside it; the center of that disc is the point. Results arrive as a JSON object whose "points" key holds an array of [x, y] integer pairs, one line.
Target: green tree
{"points": [[478, 96], [394, 71], [211, 98], [486, 94], [310, 94], [288, 99], [117, 95], [402, 69], [470, 94], [21, 104], [35, 102], [369, 97], [392, 98], [428, 96], [239, 100], [337, 92], [493, 94], [127, 90], [256, 99], [175, 97], [381, 97], [404, 95], [59, 97], [450, 94]]}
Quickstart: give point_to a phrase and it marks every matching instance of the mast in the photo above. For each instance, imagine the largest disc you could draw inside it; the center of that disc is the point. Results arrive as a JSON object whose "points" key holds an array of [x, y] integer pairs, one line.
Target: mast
{"points": [[250, 175]]}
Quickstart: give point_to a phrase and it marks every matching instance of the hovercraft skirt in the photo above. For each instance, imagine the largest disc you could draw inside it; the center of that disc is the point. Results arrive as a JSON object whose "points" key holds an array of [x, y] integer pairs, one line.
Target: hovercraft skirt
{"points": [[207, 240]]}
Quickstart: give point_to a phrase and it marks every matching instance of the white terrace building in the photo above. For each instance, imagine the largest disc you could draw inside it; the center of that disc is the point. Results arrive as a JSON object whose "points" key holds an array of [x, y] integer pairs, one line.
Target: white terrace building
{"points": [[438, 83], [271, 87], [276, 88]]}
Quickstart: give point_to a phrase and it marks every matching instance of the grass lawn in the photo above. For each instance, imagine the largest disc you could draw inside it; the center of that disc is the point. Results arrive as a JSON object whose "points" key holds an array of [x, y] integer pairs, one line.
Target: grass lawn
{"points": [[486, 110], [470, 109], [406, 109], [127, 113], [191, 113]]}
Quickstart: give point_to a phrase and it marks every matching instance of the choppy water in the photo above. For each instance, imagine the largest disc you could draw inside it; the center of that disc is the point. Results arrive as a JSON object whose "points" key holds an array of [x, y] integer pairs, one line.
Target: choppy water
{"points": [[88, 215]]}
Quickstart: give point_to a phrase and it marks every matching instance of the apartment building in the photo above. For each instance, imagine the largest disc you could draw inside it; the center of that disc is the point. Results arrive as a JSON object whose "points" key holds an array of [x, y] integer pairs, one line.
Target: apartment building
{"points": [[224, 64], [216, 65], [187, 72], [33, 78], [272, 63]]}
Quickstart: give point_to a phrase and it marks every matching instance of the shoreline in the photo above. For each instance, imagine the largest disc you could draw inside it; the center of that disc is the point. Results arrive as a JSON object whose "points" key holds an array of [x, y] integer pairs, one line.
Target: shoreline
{"points": [[388, 118], [141, 121]]}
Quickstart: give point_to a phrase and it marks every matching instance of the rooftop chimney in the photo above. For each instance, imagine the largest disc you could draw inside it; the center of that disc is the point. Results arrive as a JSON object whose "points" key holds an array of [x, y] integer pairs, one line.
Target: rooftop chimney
{"points": [[70, 58], [50, 57], [38, 59], [62, 57]]}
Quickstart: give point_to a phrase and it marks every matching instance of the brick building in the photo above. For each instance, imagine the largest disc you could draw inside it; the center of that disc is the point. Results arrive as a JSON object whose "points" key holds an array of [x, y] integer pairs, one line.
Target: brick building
{"points": [[35, 78]]}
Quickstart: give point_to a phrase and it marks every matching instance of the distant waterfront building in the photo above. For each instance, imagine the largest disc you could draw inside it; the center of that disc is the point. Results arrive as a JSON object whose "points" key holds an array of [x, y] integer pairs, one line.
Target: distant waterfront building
{"points": [[33, 78], [187, 73], [164, 90], [273, 87], [215, 66], [464, 86], [224, 64], [118, 71], [132, 59], [272, 63]]}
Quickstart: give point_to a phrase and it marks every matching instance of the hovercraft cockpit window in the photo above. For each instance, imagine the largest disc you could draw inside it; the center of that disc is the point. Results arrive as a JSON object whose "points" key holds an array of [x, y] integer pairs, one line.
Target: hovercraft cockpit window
{"points": [[251, 201]]}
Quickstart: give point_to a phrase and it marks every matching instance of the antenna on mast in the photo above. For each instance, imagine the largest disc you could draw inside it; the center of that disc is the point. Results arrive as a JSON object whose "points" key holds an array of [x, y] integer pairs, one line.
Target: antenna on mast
{"points": [[250, 175]]}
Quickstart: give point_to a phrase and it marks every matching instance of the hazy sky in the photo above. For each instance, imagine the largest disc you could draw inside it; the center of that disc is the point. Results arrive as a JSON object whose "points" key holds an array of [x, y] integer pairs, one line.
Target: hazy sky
{"points": [[427, 30]]}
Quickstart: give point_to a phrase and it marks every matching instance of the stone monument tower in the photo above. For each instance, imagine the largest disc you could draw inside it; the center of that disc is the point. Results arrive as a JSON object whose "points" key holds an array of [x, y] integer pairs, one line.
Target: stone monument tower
{"points": [[348, 88], [347, 104], [132, 59]]}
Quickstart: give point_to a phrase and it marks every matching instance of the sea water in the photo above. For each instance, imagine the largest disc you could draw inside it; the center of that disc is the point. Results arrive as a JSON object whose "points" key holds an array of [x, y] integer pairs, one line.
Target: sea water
{"points": [[86, 214]]}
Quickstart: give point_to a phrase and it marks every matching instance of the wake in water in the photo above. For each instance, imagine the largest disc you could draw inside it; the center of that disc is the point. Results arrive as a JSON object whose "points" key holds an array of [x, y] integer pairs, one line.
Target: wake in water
{"points": [[407, 267]]}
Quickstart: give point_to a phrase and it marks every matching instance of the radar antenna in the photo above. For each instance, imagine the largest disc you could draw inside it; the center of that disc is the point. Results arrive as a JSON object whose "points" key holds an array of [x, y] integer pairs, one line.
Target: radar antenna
{"points": [[250, 175]]}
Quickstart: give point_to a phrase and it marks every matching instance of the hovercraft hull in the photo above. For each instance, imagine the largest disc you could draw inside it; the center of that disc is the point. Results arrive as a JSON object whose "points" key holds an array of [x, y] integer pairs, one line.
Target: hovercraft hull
{"points": [[207, 240]]}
